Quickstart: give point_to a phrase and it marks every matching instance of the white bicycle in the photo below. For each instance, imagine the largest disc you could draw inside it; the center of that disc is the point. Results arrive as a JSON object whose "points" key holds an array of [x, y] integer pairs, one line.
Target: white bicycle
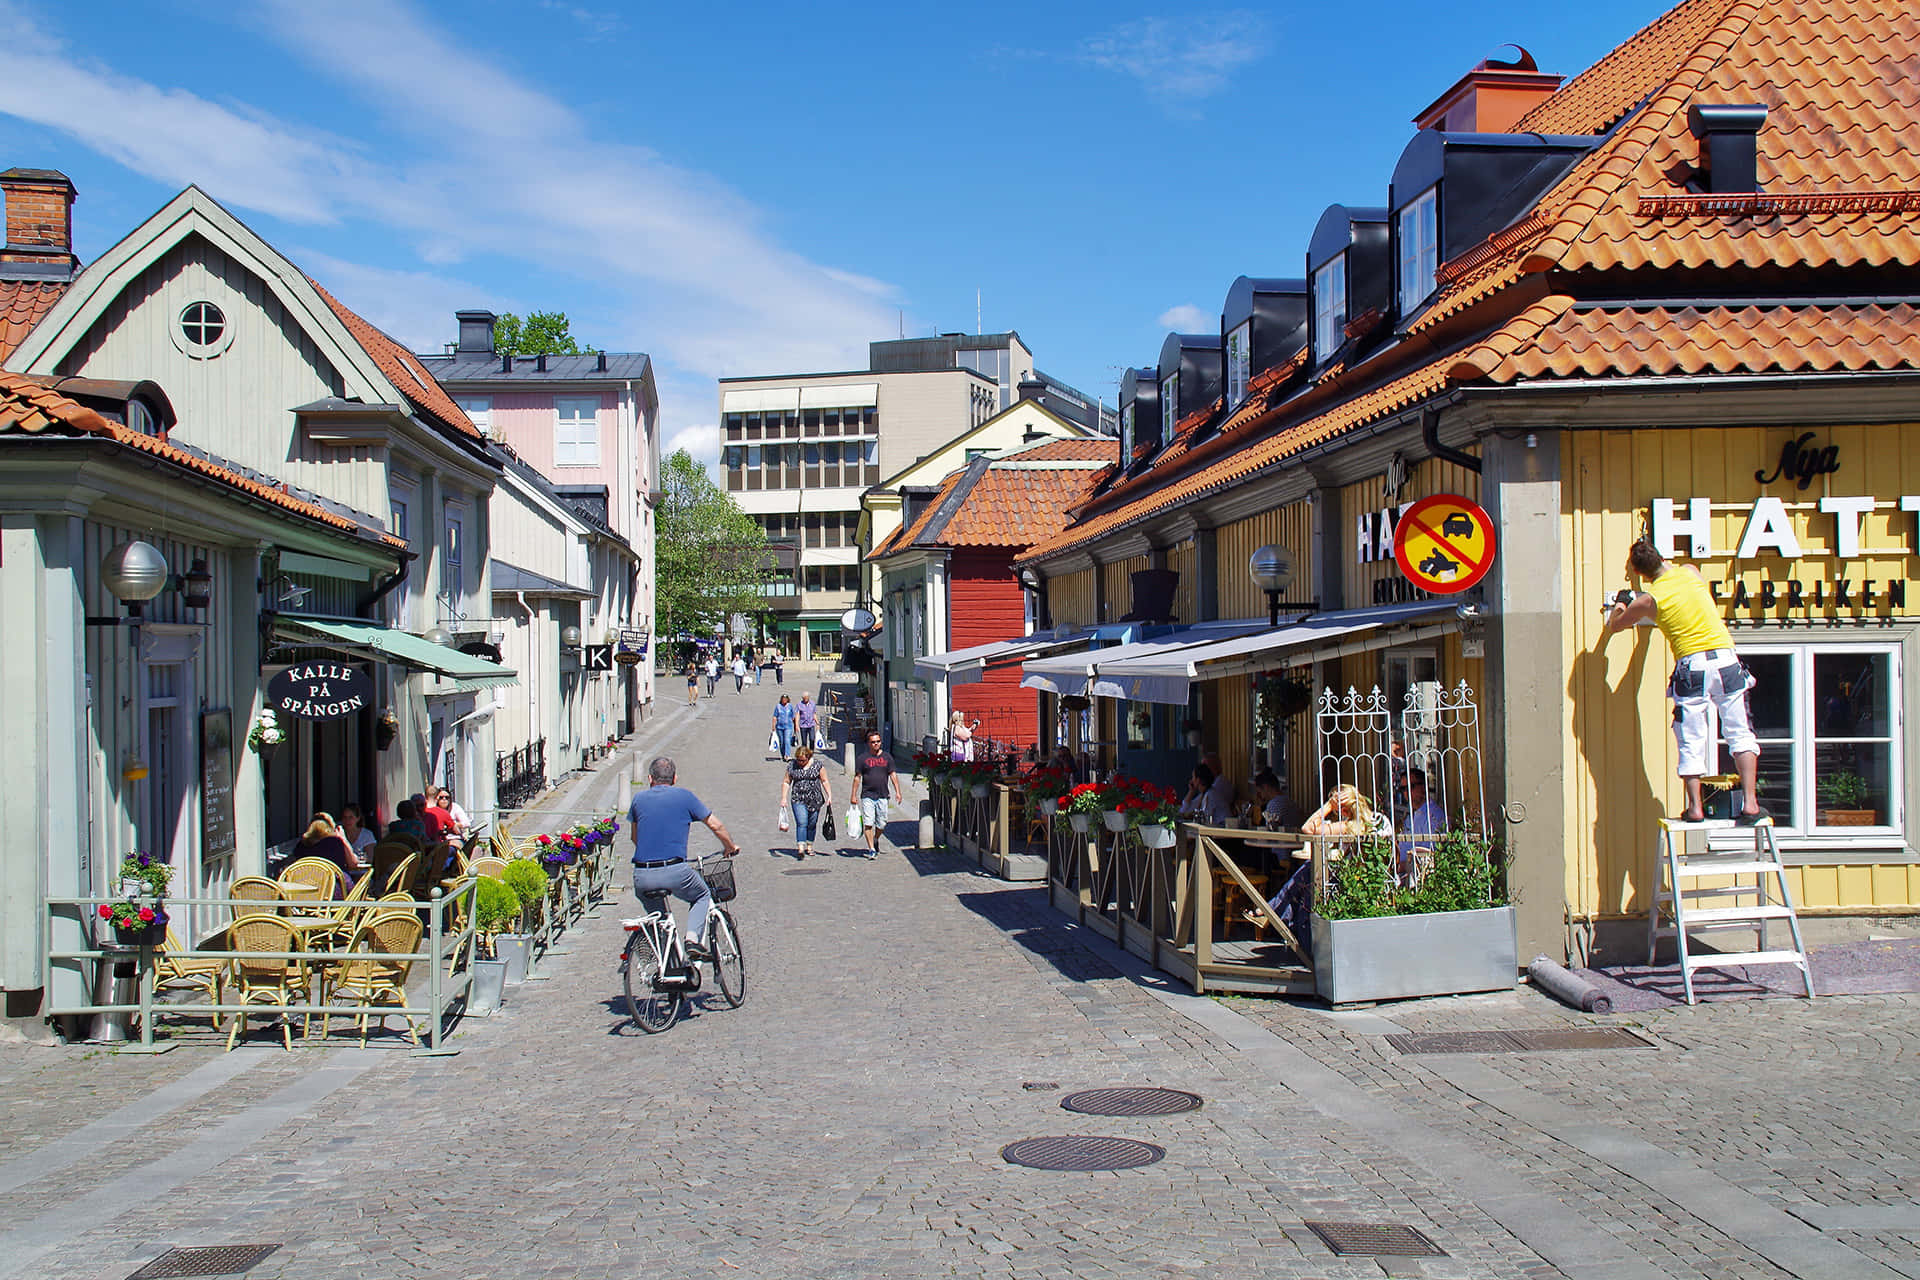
{"points": [[654, 967]]}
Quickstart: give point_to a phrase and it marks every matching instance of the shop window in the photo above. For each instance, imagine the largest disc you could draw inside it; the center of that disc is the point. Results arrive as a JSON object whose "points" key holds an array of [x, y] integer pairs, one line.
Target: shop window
{"points": [[1139, 726], [1828, 721]]}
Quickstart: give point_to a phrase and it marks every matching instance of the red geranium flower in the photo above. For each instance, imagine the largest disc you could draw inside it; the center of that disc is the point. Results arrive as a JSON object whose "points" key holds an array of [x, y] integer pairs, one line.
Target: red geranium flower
{"points": [[106, 913]]}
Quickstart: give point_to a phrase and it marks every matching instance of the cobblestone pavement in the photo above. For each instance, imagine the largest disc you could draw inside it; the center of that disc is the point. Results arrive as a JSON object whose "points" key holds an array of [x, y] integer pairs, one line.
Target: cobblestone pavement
{"points": [[905, 1019]]}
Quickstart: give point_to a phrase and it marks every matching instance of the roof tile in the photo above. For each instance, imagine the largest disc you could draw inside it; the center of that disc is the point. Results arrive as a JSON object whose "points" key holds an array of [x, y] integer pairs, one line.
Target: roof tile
{"points": [[403, 370], [22, 303]]}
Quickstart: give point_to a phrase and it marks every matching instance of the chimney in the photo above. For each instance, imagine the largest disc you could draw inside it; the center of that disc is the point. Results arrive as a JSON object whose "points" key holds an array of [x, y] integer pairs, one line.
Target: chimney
{"points": [[1491, 98], [1030, 389], [476, 332], [39, 217], [1729, 143]]}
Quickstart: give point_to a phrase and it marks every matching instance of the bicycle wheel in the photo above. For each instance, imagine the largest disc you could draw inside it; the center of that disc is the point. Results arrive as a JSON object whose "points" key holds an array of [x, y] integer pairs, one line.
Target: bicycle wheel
{"points": [[729, 965], [652, 1009]]}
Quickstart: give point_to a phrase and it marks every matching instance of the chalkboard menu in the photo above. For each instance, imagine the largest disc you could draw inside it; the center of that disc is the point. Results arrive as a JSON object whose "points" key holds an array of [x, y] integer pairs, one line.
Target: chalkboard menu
{"points": [[216, 784]]}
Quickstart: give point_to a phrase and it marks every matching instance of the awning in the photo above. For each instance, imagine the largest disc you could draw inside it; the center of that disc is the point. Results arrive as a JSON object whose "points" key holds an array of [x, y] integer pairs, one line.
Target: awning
{"points": [[1169, 675], [385, 644], [968, 666], [1073, 673]]}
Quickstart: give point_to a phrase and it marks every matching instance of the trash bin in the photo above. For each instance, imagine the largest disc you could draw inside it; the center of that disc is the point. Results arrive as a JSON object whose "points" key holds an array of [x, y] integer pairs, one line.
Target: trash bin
{"points": [[116, 980]]}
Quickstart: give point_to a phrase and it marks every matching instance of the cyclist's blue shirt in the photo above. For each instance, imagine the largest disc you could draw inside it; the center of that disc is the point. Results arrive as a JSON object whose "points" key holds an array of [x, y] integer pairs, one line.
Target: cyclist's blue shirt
{"points": [[658, 818]]}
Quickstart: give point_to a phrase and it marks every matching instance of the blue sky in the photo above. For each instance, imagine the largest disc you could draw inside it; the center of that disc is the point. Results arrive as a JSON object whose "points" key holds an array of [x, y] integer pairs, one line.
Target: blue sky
{"points": [[759, 188]]}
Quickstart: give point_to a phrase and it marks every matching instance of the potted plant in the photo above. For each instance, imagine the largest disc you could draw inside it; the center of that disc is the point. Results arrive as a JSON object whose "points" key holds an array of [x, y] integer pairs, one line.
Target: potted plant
{"points": [[1081, 804], [1375, 938], [144, 876], [976, 776], [1113, 814], [1278, 699], [528, 884], [135, 924], [495, 909], [1848, 801], [1152, 810], [1045, 786], [264, 734], [386, 727]]}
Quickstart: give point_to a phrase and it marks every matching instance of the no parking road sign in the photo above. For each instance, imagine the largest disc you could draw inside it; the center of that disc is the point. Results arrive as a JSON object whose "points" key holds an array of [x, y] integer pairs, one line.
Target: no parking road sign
{"points": [[1444, 543]]}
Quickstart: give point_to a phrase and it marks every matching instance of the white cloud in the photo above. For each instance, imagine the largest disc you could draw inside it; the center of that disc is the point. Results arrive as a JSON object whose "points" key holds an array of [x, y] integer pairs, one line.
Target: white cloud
{"points": [[1187, 318], [415, 307], [1179, 60]]}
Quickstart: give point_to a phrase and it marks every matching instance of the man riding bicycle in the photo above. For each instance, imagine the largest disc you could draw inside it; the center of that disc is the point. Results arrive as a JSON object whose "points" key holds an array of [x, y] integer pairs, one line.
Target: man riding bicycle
{"points": [[659, 818]]}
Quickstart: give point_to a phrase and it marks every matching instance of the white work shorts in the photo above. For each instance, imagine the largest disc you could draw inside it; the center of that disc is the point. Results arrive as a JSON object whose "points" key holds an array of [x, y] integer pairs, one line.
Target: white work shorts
{"points": [[1716, 678]]}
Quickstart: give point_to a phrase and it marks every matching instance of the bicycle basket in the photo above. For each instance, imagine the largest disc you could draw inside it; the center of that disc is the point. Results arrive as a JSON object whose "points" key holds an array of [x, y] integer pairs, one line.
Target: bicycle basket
{"points": [[717, 871]]}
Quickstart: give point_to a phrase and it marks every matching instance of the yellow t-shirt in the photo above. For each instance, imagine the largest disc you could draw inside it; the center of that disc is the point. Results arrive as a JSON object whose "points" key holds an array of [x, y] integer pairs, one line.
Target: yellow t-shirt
{"points": [[1687, 615]]}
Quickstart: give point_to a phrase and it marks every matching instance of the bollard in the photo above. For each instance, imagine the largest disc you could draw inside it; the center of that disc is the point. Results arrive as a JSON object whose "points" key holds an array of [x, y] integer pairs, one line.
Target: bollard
{"points": [[924, 840], [1559, 982]]}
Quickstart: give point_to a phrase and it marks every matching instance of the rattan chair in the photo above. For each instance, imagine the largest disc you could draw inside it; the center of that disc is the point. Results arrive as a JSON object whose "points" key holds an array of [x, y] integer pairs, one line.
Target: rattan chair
{"points": [[400, 879], [267, 979], [319, 872], [255, 889], [492, 868], [370, 976], [351, 911], [175, 969], [304, 891]]}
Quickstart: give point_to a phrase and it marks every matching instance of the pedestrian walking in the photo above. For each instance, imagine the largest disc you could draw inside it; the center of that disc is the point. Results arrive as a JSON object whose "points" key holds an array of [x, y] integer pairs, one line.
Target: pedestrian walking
{"points": [[806, 789], [779, 665], [693, 682], [1706, 671], [783, 726], [876, 778], [713, 673], [806, 719], [739, 672]]}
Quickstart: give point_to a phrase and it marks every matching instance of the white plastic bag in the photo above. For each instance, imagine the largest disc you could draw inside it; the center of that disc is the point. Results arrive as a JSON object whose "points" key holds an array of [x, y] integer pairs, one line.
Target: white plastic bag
{"points": [[784, 811], [853, 821], [773, 743]]}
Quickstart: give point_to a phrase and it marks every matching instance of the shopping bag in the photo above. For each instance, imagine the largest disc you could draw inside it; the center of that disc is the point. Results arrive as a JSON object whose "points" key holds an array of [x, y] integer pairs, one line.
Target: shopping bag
{"points": [[773, 742], [826, 826], [853, 820], [783, 817], [819, 740]]}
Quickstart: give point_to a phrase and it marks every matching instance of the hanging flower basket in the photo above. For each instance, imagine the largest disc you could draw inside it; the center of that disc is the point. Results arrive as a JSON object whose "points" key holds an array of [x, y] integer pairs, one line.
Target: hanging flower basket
{"points": [[1080, 822], [1155, 836], [1047, 808], [979, 790], [1113, 819]]}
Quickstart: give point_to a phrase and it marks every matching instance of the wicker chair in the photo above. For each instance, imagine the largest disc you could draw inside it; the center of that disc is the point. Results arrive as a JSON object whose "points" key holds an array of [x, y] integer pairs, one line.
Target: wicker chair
{"points": [[492, 868], [267, 979], [304, 891], [175, 969], [400, 879], [315, 871], [348, 915], [370, 976], [256, 889]]}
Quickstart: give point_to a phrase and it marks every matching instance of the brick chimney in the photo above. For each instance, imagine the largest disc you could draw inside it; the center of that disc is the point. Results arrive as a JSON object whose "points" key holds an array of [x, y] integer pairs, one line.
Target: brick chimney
{"points": [[1491, 98], [39, 217]]}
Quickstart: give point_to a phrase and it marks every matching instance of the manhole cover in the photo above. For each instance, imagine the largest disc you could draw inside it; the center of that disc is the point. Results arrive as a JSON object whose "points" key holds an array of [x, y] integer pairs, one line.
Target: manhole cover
{"points": [[1571, 1038], [219, 1260], [806, 871], [1131, 1102], [1081, 1155], [1381, 1239]]}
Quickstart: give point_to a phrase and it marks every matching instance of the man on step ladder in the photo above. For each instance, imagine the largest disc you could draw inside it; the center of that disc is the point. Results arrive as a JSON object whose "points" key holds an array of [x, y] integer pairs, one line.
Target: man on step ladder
{"points": [[1706, 672]]}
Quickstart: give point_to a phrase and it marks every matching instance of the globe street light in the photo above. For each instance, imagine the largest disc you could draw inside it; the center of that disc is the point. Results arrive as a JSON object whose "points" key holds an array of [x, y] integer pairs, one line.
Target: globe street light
{"points": [[1271, 569]]}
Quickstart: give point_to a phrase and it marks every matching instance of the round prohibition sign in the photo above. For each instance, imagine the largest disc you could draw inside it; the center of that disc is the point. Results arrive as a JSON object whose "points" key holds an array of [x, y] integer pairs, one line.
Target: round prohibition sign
{"points": [[1444, 543]]}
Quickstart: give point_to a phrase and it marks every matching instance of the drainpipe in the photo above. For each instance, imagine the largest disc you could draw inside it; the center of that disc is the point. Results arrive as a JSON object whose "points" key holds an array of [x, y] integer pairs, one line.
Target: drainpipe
{"points": [[1430, 433], [399, 576], [533, 664]]}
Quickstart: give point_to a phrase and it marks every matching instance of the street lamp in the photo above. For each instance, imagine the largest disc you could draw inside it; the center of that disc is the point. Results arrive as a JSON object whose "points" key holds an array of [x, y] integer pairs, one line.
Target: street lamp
{"points": [[570, 637], [134, 573], [1271, 569], [440, 636]]}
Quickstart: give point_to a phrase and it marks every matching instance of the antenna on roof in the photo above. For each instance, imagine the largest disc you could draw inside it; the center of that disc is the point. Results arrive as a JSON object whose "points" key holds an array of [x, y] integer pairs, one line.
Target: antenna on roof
{"points": [[976, 314]]}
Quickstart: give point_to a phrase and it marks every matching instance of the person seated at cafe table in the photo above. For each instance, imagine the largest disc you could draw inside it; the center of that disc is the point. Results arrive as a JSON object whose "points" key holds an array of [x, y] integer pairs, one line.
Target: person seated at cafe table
{"points": [[1346, 813], [1425, 821], [354, 831], [1202, 802], [1222, 785], [406, 822], [323, 840], [435, 824], [1062, 758], [1273, 808]]}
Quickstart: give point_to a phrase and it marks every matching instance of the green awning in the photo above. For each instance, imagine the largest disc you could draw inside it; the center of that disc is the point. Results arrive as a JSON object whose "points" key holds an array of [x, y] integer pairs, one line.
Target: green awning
{"points": [[386, 644], [823, 624]]}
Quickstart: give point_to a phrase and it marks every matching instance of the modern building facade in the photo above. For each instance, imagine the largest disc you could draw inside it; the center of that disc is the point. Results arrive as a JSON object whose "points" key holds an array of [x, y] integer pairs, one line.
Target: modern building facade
{"points": [[798, 451]]}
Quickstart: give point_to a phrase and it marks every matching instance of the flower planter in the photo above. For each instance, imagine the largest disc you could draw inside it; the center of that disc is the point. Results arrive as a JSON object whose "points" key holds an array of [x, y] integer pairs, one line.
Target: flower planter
{"points": [[1155, 836], [1849, 817], [979, 790], [1113, 819], [1080, 822], [1399, 957], [489, 986], [515, 950], [1048, 808], [152, 935]]}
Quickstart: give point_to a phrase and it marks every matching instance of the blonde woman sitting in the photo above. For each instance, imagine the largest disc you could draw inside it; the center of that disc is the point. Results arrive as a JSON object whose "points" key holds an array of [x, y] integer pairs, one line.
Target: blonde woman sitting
{"points": [[1336, 826]]}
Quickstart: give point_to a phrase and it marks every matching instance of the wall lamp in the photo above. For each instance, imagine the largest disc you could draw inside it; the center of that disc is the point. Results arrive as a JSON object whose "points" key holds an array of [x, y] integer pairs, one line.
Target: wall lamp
{"points": [[1271, 569], [133, 573]]}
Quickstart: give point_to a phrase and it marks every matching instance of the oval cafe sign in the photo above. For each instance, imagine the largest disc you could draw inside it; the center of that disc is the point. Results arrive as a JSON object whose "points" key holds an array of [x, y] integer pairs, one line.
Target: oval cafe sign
{"points": [[1444, 543], [320, 690]]}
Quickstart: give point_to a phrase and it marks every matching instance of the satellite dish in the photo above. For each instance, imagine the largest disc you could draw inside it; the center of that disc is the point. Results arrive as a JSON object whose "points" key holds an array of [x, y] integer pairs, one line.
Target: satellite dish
{"points": [[861, 620]]}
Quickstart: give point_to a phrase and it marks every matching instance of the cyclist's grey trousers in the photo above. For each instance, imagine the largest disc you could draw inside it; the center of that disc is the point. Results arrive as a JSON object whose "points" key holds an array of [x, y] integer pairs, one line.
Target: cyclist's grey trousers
{"points": [[682, 880]]}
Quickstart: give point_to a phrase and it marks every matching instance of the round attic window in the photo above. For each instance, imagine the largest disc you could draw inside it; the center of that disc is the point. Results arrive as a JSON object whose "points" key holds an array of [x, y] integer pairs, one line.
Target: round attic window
{"points": [[203, 331]]}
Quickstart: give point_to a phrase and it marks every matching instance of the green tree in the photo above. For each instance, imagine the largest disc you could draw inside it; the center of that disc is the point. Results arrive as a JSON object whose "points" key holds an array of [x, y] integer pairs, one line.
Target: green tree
{"points": [[541, 333], [710, 556]]}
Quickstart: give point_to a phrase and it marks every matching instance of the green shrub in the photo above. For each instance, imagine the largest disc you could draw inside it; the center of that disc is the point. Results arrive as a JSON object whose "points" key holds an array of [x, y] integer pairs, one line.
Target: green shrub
{"points": [[527, 880], [1464, 873], [496, 908]]}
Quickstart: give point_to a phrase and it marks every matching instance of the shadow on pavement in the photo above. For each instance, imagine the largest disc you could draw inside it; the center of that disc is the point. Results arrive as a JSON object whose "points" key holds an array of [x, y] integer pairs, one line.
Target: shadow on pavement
{"points": [[1024, 916]]}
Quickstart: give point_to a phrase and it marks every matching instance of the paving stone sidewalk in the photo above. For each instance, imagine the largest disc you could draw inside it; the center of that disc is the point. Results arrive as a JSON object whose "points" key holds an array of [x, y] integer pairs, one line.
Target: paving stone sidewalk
{"points": [[905, 1019]]}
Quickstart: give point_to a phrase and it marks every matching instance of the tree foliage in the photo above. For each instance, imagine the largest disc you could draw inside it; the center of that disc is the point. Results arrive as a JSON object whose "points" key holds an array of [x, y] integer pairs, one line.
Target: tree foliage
{"points": [[541, 333], [710, 556]]}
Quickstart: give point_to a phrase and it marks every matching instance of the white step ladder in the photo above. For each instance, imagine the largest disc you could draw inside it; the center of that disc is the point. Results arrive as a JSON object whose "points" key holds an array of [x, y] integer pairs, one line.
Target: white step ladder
{"points": [[1757, 889]]}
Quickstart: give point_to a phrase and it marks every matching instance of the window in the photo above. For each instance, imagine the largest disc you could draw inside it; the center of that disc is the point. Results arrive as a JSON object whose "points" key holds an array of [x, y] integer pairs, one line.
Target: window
{"points": [[1329, 307], [1126, 431], [813, 577], [202, 324], [452, 579], [1239, 363], [576, 437], [1419, 250], [479, 410], [1169, 406], [1837, 708], [397, 519]]}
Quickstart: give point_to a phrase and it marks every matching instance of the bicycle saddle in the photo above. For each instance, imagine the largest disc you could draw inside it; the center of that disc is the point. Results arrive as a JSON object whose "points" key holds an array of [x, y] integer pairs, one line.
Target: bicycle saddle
{"points": [[656, 899]]}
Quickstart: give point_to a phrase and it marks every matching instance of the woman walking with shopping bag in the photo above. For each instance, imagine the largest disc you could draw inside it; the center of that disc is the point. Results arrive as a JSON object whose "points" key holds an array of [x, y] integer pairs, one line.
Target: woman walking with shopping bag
{"points": [[783, 726], [806, 789]]}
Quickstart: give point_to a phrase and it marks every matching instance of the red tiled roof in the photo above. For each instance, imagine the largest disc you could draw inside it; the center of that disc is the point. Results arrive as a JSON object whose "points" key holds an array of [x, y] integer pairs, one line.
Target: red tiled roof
{"points": [[22, 303], [1078, 449], [29, 408], [1012, 502], [402, 370], [1655, 341]]}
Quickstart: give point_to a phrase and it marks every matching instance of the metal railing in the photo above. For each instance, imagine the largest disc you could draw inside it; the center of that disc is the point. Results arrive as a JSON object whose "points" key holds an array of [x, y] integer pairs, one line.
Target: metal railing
{"points": [[521, 774], [448, 942]]}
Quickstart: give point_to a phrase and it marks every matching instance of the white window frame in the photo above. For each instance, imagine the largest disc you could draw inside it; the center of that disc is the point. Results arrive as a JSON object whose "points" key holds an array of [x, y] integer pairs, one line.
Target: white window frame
{"points": [[1416, 232], [1239, 363], [1804, 718], [1329, 307], [1126, 432], [1169, 405], [576, 431], [453, 552], [479, 411]]}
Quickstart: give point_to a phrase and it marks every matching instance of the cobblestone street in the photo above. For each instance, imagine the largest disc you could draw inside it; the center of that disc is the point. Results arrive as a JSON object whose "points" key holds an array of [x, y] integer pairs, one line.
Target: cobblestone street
{"points": [[905, 1019]]}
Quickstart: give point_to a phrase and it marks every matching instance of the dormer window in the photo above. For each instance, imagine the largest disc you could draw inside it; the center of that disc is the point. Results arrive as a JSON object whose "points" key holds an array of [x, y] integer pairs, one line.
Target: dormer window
{"points": [[1239, 363], [1126, 431], [1419, 250], [1170, 404], [1329, 307]]}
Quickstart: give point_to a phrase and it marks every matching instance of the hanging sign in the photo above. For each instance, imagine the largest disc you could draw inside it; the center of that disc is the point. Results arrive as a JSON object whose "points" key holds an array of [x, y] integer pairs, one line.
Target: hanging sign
{"points": [[320, 690], [1444, 543], [596, 657]]}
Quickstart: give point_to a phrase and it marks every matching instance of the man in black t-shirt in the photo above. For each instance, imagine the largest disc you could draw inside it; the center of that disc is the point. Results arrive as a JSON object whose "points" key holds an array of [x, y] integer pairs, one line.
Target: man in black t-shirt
{"points": [[876, 778]]}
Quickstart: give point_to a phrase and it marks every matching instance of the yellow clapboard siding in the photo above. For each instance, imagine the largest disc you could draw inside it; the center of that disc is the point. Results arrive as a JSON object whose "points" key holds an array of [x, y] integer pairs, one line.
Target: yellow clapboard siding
{"points": [[1290, 527], [1184, 560], [1070, 599]]}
